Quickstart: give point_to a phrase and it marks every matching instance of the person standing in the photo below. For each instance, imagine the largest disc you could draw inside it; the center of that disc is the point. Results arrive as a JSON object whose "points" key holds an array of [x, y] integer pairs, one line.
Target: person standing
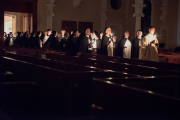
{"points": [[124, 46], [149, 46], [105, 41], [85, 42], [136, 45]]}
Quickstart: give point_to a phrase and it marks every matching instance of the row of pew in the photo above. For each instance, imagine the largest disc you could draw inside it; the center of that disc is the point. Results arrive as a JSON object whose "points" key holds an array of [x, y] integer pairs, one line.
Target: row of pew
{"points": [[40, 85]]}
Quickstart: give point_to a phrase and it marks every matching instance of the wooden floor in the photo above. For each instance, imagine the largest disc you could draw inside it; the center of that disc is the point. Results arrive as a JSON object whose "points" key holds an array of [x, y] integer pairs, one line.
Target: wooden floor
{"points": [[36, 85]]}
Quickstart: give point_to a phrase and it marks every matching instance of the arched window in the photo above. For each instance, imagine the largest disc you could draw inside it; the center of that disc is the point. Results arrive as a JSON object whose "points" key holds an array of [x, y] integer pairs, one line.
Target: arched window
{"points": [[146, 20], [115, 4]]}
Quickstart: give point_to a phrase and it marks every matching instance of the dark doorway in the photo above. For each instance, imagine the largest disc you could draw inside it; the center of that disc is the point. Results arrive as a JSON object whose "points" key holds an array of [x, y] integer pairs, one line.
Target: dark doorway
{"points": [[69, 26], [146, 20], [82, 26]]}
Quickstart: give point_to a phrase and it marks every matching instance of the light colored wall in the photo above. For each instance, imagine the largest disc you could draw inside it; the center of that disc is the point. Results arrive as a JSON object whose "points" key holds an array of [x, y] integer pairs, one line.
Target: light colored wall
{"points": [[42, 15], [87, 11], [172, 20], [118, 17]]}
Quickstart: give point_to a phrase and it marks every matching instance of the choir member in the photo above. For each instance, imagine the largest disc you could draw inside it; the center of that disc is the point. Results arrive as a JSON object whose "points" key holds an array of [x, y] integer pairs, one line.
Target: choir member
{"points": [[110, 47], [62, 34], [64, 42], [105, 40], [54, 42], [31, 40], [48, 39], [96, 43], [38, 42], [9, 41], [24, 40], [85, 41], [18, 38], [149, 46], [5, 36], [59, 37], [101, 35], [136, 44], [124, 46], [115, 46], [73, 43]]}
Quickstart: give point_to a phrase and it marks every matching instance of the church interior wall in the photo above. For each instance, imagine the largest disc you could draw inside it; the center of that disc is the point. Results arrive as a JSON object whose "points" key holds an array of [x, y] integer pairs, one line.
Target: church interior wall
{"points": [[90, 11]]}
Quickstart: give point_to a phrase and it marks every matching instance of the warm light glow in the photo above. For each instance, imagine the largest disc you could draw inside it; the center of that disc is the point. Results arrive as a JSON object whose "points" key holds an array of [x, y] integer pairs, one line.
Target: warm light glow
{"points": [[109, 82]]}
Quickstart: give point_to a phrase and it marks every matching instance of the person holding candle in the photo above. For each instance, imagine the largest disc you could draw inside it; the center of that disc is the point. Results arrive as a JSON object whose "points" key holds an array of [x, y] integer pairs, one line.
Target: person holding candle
{"points": [[149, 47], [124, 46], [106, 40], [136, 45]]}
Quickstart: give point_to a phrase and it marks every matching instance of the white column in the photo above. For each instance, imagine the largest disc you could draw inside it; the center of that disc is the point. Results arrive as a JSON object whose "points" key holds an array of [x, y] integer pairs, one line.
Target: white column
{"points": [[18, 22], [178, 29], [103, 14], [138, 13], [50, 13]]}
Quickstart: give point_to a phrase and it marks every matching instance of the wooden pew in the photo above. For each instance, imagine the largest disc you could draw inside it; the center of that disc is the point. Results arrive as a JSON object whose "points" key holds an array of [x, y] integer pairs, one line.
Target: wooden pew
{"points": [[111, 65], [134, 61], [117, 99]]}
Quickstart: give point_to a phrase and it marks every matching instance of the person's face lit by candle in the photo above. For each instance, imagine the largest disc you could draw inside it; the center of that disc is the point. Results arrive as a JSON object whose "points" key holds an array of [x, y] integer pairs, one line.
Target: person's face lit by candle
{"points": [[88, 32], [45, 33], [139, 34], [63, 32], [126, 34], [108, 32], [49, 32], [114, 39], [152, 31]]}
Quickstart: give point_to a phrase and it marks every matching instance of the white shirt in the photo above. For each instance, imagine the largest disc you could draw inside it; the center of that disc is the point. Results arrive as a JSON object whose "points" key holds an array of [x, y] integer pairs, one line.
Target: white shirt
{"points": [[128, 43]]}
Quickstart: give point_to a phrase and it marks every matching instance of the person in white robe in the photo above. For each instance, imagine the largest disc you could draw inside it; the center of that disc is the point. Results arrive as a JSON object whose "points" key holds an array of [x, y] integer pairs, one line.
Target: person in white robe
{"points": [[149, 47]]}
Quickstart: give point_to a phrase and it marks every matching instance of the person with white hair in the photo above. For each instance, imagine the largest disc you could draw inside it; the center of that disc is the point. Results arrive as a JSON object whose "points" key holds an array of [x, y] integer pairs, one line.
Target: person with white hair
{"points": [[124, 46], [106, 39], [136, 45], [85, 42], [149, 46]]}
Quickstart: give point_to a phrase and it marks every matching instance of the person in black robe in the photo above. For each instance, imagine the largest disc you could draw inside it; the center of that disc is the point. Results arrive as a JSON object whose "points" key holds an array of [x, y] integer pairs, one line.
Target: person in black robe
{"points": [[54, 42], [24, 40], [5, 36], [31, 40], [73, 47], [47, 39], [124, 46], [85, 42], [9, 41], [62, 35], [105, 41], [115, 46], [38, 42], [136, 43], [17, 40], [64, 42]]}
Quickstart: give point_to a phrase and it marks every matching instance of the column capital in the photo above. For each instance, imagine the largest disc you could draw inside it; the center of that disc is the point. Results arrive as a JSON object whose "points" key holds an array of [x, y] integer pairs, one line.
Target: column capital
{"points": [[138, 15]]}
